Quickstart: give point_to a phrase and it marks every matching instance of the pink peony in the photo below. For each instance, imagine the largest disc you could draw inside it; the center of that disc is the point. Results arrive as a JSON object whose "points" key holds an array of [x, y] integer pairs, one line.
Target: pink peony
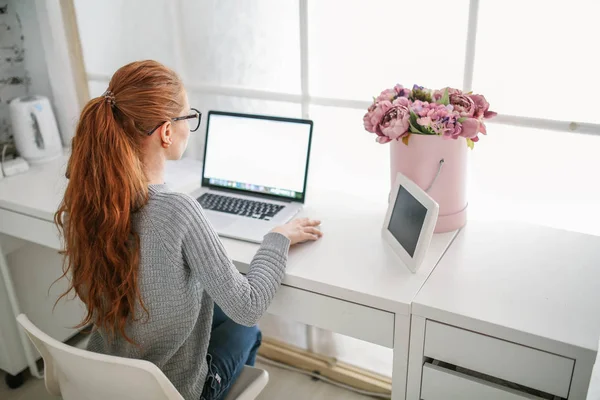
{"points": [[402, 91], [463, 104], [395, 121], [454, 131], [421, 108], [451, 128], [368, 119], [438, 94], [393, 94], [401, 101], [434, 117], [386, 95], [373, 116]]}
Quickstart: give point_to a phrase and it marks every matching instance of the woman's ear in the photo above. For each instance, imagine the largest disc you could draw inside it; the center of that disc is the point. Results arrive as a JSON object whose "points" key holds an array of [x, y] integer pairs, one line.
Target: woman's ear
{"points": [[166, 134]]}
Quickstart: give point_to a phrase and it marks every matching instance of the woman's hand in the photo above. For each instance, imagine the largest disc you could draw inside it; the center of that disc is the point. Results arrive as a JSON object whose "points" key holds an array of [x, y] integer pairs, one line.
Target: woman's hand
{"points": [[300, 230]]}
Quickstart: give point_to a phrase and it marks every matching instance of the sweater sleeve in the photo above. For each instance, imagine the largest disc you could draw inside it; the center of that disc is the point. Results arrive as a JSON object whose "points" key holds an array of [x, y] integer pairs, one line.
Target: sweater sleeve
{"points": [[243, 298]]}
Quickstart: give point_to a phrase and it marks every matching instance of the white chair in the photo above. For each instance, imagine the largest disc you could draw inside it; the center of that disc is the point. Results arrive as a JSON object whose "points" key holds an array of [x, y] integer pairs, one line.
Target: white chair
{"points": [[77, 374]]}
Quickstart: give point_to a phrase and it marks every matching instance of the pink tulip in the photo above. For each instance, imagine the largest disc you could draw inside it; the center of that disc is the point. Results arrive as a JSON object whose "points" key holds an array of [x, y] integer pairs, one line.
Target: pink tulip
{"points": [[482, 128], [489, 114], [470, 128], [481, 107]]}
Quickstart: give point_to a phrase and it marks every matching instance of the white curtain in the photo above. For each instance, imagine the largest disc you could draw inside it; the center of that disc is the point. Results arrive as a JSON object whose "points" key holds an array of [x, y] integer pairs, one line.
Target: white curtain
{"points": [[534, 60]]}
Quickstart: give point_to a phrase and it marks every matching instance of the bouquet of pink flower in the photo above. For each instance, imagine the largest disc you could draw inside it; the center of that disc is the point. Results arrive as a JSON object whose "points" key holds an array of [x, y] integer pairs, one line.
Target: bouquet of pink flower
{"points": [[396, 113]]}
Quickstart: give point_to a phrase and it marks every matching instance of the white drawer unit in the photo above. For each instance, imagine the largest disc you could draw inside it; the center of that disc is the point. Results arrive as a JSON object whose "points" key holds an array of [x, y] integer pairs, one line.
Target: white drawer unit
{"points": [[30, 228], [360, 322], [443, 384], [497, 358]]}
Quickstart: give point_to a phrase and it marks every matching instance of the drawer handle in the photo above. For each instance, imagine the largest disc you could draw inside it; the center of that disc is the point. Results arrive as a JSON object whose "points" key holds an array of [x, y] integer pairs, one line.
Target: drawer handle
{"points": [[492, 379]]}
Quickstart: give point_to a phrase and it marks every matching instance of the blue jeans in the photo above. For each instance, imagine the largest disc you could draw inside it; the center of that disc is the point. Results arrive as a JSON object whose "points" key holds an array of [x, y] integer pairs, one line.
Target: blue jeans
{"points": [[231, 347]]}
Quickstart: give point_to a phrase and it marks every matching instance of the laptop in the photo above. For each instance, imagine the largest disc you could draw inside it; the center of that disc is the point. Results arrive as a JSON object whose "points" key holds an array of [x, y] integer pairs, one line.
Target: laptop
{"points": [[254, 173]]}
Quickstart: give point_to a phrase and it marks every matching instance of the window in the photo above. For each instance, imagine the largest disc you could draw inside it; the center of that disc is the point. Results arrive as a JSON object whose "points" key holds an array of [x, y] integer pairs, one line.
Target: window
{"points": [[356, 49], [115, 32], [535, 59], [251, 44]]}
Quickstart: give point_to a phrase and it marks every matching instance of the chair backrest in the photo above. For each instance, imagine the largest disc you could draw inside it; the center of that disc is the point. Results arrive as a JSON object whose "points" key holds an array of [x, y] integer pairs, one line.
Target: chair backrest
{"points": [[76, 374], [249, 384]]}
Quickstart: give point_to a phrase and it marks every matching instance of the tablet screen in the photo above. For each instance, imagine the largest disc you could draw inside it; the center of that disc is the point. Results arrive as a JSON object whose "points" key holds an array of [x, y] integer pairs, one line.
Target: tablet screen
{"points": [[407, 220]]}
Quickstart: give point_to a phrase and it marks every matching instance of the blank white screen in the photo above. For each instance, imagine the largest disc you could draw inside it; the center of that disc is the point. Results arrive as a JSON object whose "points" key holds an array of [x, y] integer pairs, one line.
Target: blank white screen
{"points": [[257, 151]]}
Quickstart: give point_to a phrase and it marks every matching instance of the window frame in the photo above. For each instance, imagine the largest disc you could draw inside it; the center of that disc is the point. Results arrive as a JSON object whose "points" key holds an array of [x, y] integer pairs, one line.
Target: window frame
{"points": [[305, 99]]}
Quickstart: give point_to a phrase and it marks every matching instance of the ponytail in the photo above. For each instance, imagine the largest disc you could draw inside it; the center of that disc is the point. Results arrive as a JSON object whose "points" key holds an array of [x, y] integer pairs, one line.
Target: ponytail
{"points": [[106, 186]]}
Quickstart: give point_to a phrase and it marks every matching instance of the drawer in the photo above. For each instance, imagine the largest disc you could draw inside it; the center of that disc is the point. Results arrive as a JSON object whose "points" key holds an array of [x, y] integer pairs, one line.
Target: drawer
{"points": [[360, 322], [439, 383], [526, 366], [30, 228]]}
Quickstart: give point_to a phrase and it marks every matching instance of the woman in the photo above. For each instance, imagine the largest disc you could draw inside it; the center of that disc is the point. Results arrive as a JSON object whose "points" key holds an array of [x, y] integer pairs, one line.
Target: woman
{"points": [[155, 277]]}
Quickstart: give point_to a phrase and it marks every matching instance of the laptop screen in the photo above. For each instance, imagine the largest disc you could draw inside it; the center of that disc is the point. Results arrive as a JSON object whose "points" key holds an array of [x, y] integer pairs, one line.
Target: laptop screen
{"points": [[258, 154]]}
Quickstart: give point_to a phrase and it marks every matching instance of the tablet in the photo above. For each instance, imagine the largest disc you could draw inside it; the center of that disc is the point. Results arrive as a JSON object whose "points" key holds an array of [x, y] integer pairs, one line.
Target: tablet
{"points": [[409, 222]]}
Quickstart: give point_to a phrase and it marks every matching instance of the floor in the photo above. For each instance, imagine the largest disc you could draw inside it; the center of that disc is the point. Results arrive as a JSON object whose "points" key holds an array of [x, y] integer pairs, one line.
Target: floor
{"points": [[282, 384]]}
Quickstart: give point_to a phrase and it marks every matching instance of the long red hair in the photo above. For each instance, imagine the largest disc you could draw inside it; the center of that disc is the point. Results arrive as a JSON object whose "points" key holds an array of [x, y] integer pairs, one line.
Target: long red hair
{"points": [[107, 185]]}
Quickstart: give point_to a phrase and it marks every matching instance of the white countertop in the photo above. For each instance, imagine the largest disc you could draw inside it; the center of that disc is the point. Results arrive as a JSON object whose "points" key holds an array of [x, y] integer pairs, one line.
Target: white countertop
{"points": [[351, 262], [522, 278], [39, 191]]}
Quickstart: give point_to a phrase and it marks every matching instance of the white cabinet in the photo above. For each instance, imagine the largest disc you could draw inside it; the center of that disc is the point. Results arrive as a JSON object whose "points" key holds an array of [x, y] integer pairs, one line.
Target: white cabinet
{"points": [[497, 358], [510, 305], [449, 363]]}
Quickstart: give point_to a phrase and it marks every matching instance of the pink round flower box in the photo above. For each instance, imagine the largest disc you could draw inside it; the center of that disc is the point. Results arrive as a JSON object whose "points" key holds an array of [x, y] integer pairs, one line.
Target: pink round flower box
{"points": [[420, 162]]}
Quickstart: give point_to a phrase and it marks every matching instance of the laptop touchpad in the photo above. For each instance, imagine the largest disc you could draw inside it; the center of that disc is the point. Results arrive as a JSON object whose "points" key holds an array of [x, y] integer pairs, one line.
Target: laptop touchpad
{"points": [[220, 221]]}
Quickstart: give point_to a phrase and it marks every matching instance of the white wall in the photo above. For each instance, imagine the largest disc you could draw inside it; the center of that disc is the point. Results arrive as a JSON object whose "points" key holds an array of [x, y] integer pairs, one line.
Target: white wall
{"points": [[35, 62], [35, 65], [13, 78]]}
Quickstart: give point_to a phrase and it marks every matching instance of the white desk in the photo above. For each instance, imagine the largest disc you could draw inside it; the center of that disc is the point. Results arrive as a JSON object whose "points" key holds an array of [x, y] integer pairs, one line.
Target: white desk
{"points": [[515, 301], [350, 282]]}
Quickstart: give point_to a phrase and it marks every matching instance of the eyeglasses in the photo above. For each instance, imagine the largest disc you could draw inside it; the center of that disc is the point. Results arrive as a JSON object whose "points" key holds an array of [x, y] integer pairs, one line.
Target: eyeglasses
{"points": [[192, 119]]}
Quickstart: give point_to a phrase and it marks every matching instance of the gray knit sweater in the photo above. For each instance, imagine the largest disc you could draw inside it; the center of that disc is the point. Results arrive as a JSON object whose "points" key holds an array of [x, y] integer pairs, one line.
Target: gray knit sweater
{"points": [[183, 269]]}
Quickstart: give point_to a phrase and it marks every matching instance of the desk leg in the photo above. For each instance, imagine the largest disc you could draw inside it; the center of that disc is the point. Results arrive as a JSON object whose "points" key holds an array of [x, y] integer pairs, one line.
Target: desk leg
{"points": [[400, 366], [415, 358], [582, 373], [14, 304]]}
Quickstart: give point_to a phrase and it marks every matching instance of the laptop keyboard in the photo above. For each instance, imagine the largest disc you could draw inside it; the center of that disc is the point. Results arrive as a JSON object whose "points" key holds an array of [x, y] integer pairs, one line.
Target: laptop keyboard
{"points": [[236, 206]]}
